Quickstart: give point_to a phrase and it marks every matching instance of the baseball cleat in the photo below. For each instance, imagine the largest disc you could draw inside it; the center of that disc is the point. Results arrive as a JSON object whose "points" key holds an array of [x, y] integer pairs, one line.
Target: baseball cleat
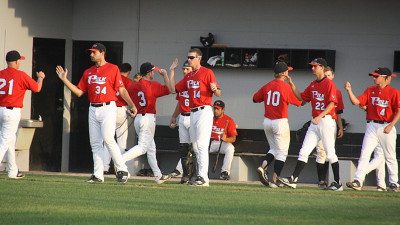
{"points": [[18, 176], [335, 187], [94, 179], [355, 185], [122, 177], [289, 181], [379, 188], [224, 176], [185, 180], [322, 185], [393, 187], [162, 179], [175, 173], [200, 182], [262, 176]]}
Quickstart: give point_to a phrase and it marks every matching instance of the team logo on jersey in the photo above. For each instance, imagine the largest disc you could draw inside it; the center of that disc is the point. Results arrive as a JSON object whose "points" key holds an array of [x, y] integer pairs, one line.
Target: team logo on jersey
{"points": [[94, 79], [318, 96], [217, 130], [184, 94], [193, 84], [380, 102]]}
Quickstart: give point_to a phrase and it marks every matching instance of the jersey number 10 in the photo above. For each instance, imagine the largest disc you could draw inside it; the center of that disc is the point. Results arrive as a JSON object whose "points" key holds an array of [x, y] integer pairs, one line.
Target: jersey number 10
{"points": [[273, 97]]}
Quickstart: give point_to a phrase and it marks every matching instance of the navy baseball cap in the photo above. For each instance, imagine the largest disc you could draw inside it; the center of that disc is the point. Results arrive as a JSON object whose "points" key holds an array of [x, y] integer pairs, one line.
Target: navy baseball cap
{"points": [[382, 71], [319, 61], [281, 67], [219, 104], [97, 47], [185, 64], [147, 67], [14, 56]]}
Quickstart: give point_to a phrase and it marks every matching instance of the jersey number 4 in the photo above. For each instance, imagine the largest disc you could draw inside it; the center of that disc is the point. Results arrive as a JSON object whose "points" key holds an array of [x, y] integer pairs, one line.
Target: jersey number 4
{"points": [[3, 83]]}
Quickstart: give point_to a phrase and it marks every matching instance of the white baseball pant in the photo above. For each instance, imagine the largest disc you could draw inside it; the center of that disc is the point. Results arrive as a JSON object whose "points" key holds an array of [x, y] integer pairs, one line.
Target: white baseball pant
{"points": [[374, 137], [9, 121], [226, 148], [378, 164], [145, 126], [278, 136], [121, 132], [102, 130], [201, 123], [325, 131]]}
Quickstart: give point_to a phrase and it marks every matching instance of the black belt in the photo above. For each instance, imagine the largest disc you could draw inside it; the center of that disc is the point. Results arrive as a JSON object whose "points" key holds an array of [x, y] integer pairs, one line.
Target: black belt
{"points": [[142, 114], [185, 114], [197, 109], [99, 104], [376, 121], [9, 107]]}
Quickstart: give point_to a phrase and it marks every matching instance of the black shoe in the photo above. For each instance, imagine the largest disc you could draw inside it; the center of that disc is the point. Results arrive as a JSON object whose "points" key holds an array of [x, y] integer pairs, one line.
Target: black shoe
{"points": [[289, 181], [18, 176], [322, 184], [174, 173], [94, 179], [224, 176], [355, 185], [185, 180], [200, 182], [122, 177], [393, 187], [262, 176]]}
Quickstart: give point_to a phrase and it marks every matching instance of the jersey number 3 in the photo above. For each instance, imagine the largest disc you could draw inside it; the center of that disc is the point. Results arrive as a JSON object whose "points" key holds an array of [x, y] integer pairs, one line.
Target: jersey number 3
{"points": [[3, 83], [142, 98]]}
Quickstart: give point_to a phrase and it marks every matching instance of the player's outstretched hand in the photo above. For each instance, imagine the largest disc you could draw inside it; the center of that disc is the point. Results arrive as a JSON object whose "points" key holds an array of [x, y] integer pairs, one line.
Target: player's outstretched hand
{"points": [[174, 64], [40, 74], [347, 86], [61, 73], [162, 72]]}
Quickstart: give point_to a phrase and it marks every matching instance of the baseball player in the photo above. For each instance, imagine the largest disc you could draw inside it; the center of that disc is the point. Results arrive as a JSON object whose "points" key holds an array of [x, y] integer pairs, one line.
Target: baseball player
{"points": [[276, 95], [383, 104], [182, 110], [322, 95], [201, 84], [144, 94], [13, 85], [322, 164], [121, 131], [101, 82], [223, 135]]}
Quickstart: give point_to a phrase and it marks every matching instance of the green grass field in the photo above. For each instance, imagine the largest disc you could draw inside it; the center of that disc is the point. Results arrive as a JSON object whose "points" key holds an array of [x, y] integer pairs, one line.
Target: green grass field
{"points": [[50, 199]]}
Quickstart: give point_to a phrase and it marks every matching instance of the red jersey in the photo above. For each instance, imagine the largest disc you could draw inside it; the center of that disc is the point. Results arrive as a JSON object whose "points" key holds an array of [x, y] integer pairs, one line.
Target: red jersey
{"points": [[144, 94], [382, 104], [219, 125], [197, 83], [320, 94], [340, 105], [183, 100], [276, 95], [13, 84], [101, 83], [120, 101]]}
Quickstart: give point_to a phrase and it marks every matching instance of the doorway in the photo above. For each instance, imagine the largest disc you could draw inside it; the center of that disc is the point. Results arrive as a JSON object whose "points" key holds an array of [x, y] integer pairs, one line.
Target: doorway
{"points": [[46, 145], [80, 152]]}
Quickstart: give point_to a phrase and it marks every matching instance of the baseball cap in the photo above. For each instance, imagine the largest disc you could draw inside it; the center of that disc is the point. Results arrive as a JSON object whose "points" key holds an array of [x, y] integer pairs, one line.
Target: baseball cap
{"points": [[185, 64], [14, 56], [281, 67], [319, 61], [147, 67], [382, 71], [97, 47], [219, 104]]}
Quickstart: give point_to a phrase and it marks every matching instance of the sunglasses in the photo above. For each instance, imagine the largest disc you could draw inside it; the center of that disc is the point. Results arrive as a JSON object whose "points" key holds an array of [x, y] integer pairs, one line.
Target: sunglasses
{"points": [[191, 57]]}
